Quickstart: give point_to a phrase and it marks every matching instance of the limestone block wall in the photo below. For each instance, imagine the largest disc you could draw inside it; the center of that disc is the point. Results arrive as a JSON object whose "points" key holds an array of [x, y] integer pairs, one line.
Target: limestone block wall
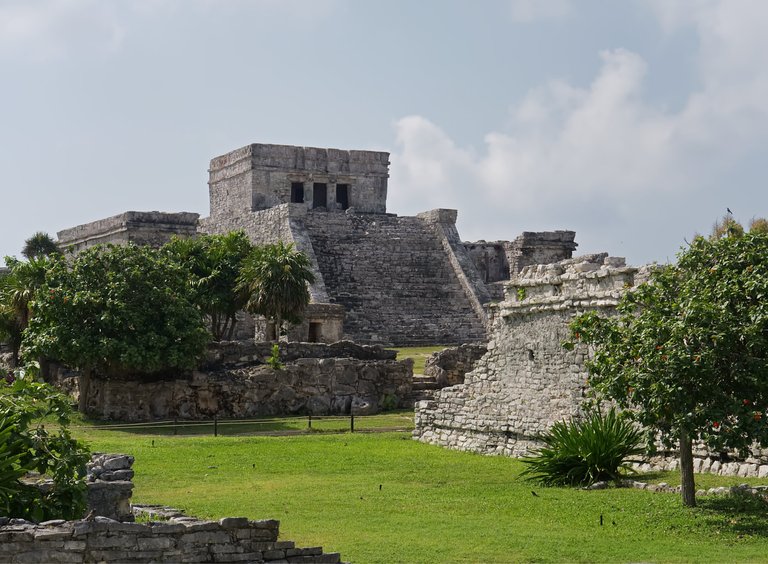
{"points": [[142, 228], [497, 261], [232, 353], [260, 176], [394, 278], [179, 539], [526, 381], [449, 366], [110, 485], [308, 385]]}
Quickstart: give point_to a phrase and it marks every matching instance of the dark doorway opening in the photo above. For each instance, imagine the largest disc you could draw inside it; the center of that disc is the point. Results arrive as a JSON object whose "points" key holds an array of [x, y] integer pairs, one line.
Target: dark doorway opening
{"points": [[297, 192], [342, 195], [314, 332], [320, 195]]}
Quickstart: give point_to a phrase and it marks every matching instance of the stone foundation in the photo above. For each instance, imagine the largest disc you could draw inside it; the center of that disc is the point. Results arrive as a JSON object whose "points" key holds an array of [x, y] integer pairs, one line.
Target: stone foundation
{"points": [[307, 386]]}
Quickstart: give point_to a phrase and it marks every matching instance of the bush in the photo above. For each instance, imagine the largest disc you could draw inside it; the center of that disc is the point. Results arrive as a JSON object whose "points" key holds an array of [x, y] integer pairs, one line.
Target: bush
{"points": [[579, 453], [26, 446]]}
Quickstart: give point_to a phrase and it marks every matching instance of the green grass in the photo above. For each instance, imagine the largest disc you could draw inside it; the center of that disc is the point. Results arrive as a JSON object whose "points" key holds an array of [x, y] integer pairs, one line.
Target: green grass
{"points": [[386, 498], [418, 354]]}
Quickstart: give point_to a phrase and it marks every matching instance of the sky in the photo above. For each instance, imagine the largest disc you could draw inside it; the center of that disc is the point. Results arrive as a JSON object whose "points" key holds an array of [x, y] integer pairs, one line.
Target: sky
{"points": [[634, 123]]}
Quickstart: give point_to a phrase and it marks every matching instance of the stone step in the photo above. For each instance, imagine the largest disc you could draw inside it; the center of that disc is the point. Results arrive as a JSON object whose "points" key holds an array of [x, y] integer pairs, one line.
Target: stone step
{"points": [[422, 386], [393, 277], [423, 379]]}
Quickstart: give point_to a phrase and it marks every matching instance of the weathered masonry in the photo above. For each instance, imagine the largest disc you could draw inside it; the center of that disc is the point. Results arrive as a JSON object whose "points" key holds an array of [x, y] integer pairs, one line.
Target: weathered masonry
{"points": [[141, 228], [526, 381], [380, 278]]}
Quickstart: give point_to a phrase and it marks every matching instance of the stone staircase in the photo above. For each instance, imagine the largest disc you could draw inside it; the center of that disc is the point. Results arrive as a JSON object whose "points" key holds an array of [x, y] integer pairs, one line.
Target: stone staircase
{"points": [[423, 388], [394, 279]]}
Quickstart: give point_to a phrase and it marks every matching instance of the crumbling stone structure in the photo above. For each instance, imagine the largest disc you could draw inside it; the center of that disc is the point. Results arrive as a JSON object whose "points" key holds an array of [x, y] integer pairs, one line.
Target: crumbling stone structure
{"points": [[110, 486], [235, 382], [109, 533], [526, 381], [380, 278], [449, 366], [142, 228]]}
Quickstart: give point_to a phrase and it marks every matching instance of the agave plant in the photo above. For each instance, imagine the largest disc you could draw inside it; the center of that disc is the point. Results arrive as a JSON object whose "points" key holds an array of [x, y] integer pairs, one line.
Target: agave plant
{"points": [[579, 453]]}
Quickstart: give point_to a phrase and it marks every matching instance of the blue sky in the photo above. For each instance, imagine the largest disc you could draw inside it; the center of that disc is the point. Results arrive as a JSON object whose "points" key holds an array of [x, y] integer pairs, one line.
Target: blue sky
{"points": [[634, 123]]}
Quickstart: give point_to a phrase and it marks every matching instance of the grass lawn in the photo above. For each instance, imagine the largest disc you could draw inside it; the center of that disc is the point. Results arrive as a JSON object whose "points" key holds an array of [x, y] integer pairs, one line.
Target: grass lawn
{"points": [[386, 498], [418, 354]]}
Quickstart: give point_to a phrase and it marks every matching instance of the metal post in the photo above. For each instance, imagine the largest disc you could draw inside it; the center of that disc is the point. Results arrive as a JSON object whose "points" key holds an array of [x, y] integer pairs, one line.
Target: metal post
{"points": [[215, 426], [175, 425], [351, 423], [309, 422]]}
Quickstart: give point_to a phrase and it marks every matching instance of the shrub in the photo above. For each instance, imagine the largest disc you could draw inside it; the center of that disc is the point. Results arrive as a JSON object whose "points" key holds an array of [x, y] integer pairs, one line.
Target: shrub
{"points": [[578, 453], [27, 446], [389, 403]]}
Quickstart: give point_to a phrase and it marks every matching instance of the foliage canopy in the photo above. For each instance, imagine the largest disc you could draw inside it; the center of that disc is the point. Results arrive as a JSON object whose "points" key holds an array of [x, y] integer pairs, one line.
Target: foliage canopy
{"points": [[276, 279], [17, 289], [116, 308], [27, 446], [214, 263], [39, 245], [687, 353]]}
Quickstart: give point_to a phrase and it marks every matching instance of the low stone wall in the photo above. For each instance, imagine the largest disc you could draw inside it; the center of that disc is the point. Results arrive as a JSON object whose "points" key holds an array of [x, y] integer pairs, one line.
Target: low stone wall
{"points": [[229, 353], [449, 365], [108, 533], [309, 385], [183, 539]]}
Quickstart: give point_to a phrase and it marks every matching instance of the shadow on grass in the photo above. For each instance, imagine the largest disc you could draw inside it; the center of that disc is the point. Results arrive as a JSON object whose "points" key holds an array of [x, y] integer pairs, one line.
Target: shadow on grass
{"points": [[224, 428], [741, 513]]}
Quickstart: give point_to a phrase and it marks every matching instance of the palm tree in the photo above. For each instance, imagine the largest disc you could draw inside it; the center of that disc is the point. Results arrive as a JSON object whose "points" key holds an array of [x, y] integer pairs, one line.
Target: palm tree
{"points": [[276, 278], [40, 245], [17, 288]]}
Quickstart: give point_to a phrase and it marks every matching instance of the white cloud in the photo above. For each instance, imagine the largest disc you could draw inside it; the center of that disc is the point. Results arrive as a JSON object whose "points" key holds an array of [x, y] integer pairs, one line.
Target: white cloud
{"points": [[605, 147], [527, 11]]}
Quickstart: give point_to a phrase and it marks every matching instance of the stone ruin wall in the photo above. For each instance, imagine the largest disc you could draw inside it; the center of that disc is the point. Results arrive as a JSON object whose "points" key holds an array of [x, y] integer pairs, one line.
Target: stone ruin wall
{"points": [[141, 228], [109, 533], [498, 261], [449, 366], [526, 381], [316, 379], [259, 176]]}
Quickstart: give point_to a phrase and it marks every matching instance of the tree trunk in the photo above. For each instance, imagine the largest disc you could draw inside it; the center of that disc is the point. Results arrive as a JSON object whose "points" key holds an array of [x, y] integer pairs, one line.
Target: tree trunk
{"points": [[85, 388], [686, 470]]}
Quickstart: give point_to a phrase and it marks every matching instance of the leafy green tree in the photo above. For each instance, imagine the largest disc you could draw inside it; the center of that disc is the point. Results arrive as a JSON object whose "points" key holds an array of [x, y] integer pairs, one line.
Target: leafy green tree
{"points": [[726, 227], [114, 309], [214, 262], [39, 245], [27, 446], [17, 289], [276, 280], [687, 353], [758, 225]]}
